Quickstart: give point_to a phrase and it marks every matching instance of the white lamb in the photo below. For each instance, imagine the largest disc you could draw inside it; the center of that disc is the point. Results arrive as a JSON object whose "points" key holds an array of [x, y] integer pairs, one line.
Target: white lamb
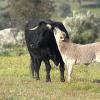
{"points": [[76, 53]]}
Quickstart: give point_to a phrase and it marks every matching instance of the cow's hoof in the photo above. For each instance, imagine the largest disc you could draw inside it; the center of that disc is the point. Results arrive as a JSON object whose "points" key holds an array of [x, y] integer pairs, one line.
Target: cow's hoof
{"points": [[62, 80], [37, 78], [48, 80], [34, 77]]}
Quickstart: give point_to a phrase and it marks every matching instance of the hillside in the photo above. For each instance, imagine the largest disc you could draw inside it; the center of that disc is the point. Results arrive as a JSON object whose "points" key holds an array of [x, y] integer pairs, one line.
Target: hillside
{"points": [[63, 8]]}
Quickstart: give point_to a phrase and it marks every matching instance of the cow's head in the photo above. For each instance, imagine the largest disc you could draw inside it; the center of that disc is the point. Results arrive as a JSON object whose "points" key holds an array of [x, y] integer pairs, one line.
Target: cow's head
{"points": [[44, 33]]}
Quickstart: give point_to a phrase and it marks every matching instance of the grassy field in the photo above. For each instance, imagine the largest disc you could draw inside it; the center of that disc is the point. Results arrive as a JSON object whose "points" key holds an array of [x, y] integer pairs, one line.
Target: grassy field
{"points": [[16, 82]]}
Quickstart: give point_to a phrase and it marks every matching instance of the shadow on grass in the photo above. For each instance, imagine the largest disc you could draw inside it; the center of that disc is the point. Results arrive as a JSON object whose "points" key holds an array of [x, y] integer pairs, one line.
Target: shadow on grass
{"points": [[96, 81], [93, 5], [81, 80]]}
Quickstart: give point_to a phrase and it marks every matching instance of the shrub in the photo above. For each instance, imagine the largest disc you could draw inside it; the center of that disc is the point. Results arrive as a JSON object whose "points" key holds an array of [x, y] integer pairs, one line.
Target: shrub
{"points": [[85, 27], [23, 10], [12, 50]]}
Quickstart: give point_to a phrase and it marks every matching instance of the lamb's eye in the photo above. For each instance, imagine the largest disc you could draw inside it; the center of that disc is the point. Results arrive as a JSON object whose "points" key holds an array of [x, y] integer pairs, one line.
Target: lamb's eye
{"points": [[61, 37]]}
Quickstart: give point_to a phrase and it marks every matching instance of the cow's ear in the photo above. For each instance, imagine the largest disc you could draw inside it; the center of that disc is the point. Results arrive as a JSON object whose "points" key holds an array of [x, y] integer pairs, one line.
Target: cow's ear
{"points": [[49, 26], [41, 23]]}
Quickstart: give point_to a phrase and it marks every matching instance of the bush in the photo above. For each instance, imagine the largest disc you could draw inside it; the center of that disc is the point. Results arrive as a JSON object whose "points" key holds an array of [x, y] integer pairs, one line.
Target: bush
{"points": [[12, 50], [62, 8], [85, 27], [4, 21], [23, 10]]}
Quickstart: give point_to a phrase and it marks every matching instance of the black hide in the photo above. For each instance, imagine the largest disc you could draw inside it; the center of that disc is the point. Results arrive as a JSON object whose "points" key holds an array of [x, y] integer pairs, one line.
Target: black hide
{"points": [[42, 46]]}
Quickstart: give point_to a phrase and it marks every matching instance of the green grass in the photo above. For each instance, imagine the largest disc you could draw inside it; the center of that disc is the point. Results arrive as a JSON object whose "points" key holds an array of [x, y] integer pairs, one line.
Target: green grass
{"points": [[16, 82]]}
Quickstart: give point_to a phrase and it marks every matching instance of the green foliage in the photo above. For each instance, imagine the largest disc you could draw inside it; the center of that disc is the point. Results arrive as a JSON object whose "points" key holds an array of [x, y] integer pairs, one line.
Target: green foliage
{"points": [[62, 8], [23, 10], [4, 22], [85, 27], [4, 15], [12, 50]]}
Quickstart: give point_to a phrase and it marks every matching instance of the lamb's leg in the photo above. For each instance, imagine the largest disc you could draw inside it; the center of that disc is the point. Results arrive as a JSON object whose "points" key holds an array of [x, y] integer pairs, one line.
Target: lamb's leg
{"points": [[69, 70], [97, 58]]}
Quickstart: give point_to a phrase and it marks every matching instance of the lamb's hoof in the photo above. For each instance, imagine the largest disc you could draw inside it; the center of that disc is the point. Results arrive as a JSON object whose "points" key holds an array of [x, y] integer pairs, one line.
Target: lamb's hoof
{"points": [[69, 82]]}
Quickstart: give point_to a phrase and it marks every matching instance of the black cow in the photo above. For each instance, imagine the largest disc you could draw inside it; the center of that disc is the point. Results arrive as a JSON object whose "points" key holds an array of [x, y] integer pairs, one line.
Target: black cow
{"points": [[42, 46]]}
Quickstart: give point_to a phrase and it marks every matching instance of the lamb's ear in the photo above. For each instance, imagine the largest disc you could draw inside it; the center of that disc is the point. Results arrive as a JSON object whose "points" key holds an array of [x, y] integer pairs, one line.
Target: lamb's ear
{"points": [[55, 31]]}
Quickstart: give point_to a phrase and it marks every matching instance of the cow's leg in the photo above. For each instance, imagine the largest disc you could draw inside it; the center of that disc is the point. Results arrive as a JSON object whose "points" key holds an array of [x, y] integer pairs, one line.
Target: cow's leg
{"points": [[62, 69], [32, 63], [48, 68], [32, 69], [37, 64]]}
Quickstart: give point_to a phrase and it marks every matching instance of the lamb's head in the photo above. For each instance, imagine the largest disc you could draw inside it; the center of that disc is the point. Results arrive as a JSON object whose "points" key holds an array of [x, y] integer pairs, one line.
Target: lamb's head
{"points": [[60, 35]]}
